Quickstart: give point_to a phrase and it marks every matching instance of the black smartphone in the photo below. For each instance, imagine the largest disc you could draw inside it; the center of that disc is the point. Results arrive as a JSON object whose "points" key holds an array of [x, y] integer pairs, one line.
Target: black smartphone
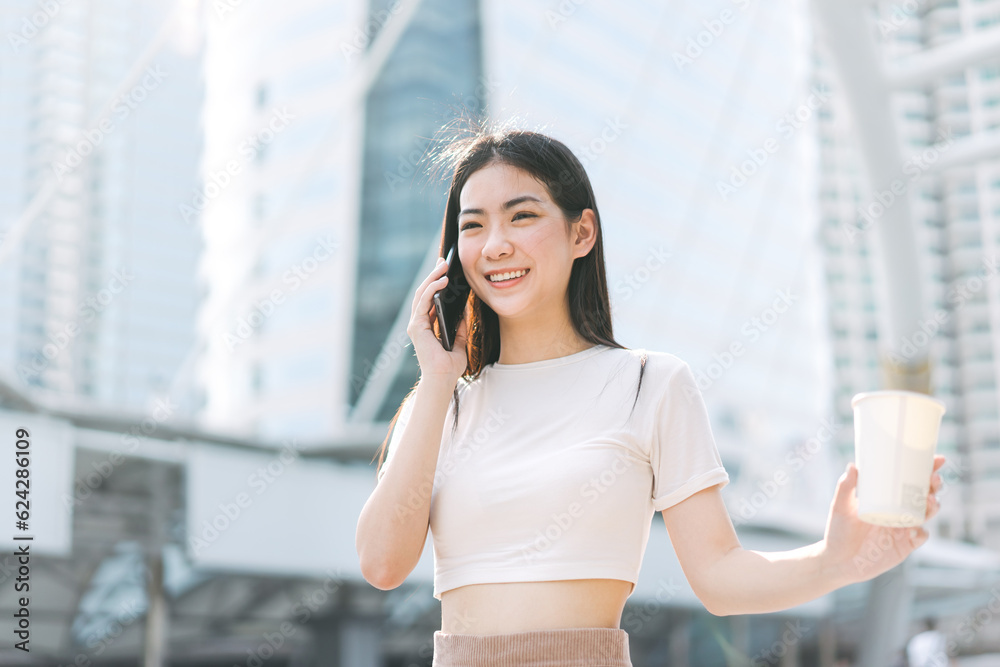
{"points": [[449, 303]]}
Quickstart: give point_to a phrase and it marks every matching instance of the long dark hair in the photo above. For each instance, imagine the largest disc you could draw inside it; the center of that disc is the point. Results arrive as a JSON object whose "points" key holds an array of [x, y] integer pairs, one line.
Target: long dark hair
{"points": [[553, 164]]}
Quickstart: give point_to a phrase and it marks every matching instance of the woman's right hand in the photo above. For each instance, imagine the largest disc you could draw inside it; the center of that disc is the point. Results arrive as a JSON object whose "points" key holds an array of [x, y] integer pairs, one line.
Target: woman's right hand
{"points": [[432, 358]]}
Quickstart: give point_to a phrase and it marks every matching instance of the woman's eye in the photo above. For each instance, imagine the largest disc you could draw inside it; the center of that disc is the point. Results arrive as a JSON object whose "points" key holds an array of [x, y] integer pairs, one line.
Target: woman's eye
{"points": [[467, 225]]}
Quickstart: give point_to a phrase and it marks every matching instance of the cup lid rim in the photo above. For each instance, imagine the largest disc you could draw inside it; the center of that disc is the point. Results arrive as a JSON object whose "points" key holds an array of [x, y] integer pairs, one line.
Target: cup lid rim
{"points": [[896, 392]]}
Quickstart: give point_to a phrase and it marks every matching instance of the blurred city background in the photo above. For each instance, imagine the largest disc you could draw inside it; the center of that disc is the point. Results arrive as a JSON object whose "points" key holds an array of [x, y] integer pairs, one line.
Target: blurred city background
{"points": [[214, 213]]}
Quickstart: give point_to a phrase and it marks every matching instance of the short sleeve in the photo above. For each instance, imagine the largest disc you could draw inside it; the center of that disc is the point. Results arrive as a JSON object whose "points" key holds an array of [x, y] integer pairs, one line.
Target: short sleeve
{"points": [[397, 433], [684, 456]]}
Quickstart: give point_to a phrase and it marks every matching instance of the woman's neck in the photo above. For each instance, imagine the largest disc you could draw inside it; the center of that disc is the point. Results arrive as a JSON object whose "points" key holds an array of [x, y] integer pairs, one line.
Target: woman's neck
{"points": [[522, 346]]}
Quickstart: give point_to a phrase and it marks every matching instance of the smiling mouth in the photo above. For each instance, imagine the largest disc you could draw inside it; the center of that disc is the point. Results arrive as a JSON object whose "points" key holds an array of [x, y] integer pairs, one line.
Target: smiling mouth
{"points": [[507, 277]]}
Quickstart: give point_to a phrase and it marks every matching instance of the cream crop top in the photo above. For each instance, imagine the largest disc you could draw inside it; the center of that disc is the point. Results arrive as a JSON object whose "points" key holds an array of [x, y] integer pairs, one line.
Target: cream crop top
{"points": [[548, 477]]}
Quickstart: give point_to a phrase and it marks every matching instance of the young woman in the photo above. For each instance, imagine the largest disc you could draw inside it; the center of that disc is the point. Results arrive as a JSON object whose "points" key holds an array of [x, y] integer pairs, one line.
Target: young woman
{"points": [[538, 448]]}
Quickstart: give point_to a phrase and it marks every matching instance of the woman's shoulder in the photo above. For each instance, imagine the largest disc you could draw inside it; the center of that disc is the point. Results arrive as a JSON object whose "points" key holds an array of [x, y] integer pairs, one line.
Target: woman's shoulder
{"points": [[662, 362], [654, 372]]}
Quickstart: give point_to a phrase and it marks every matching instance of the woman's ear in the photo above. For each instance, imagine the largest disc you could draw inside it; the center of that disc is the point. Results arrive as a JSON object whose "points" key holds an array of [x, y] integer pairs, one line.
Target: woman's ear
{"points": [[584, 233]]}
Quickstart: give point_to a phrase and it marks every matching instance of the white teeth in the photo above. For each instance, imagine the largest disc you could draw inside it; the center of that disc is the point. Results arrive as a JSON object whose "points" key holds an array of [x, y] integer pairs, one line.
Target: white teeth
{"points": [[506, 276]]}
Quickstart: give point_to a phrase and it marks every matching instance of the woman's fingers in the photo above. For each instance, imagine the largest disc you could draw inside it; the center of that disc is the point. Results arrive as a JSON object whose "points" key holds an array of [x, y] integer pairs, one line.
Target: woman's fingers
{"points": [[438, 271], [423, 305], [932, 506], [428, 296], [936, 483]]}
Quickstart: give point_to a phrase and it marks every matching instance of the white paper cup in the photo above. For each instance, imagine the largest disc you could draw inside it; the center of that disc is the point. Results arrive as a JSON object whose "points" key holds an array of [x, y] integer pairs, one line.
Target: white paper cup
{"points": [[895, 435]]}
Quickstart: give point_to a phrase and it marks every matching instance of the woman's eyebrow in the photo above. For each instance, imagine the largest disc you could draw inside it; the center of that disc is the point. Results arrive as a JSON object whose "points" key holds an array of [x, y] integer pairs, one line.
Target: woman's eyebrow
{"points": [[507, 205]]}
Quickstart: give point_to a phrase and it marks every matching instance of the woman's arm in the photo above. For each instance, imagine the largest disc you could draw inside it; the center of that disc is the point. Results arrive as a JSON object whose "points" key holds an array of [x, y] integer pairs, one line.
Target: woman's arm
{"points": [[729, 579], [394, 521]]}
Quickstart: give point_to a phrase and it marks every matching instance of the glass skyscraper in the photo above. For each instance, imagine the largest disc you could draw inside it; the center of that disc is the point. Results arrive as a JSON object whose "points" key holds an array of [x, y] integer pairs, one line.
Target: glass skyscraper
{"points": [[432, 75]]}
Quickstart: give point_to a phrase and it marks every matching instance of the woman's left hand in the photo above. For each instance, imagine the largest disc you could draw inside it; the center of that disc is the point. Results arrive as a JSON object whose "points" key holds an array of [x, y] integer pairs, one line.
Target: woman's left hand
{"points": [[858, 551]]}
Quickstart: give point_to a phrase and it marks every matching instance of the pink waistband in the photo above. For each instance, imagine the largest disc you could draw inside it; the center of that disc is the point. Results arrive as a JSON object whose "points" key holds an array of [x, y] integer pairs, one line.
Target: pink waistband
{"points": [[565, 647]]}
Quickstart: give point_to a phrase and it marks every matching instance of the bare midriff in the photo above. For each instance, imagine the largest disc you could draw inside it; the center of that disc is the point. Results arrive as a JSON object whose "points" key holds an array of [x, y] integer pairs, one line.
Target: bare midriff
{"points": [[492, 609]]}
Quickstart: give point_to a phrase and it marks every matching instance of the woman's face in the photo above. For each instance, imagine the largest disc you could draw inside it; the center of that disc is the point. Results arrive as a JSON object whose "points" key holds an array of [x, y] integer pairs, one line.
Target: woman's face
{"points": [[507, 222]]}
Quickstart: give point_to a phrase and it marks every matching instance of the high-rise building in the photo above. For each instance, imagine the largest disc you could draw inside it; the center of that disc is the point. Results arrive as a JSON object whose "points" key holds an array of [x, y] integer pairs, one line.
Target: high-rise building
{"points": [[279, 180], [100, 115]]}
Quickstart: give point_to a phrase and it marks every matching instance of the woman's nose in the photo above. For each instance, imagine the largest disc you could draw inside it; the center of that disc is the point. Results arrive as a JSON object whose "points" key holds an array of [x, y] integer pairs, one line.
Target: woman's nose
{"points": [[496, 245]]}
